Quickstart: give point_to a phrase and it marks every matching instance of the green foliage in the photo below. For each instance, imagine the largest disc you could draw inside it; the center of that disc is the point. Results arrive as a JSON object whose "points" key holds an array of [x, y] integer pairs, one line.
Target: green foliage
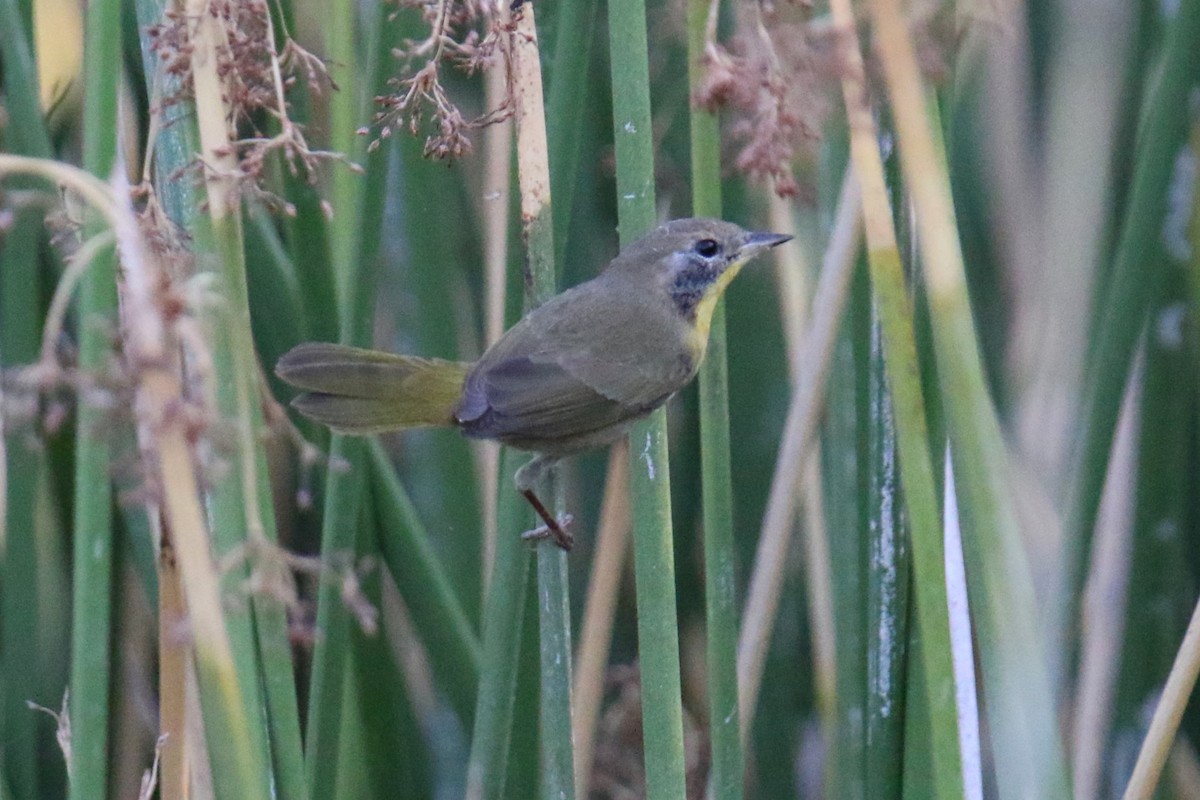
{"points": [[347, 630]]}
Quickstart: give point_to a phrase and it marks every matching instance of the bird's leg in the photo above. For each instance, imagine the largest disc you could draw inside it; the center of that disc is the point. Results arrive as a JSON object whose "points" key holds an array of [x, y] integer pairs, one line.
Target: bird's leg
{"points": [[554, 528], [526, 477]]}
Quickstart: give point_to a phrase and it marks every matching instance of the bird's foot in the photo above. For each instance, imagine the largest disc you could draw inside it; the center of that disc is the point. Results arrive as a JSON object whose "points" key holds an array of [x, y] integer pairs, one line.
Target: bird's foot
{"points": [[553, 528], [556, 532]]}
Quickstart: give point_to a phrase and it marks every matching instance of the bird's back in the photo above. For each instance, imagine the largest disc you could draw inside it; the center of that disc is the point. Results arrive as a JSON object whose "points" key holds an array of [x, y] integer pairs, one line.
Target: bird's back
{"points": [[575, 371]]}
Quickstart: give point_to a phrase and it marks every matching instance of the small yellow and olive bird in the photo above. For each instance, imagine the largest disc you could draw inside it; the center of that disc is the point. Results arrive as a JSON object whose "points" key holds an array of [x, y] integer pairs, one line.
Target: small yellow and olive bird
{"points": [[573, 374]]}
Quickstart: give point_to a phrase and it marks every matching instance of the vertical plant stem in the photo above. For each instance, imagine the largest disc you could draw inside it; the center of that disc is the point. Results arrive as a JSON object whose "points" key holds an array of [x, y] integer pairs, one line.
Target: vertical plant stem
{"points": [[908, 406], [842, 450], [497, 185], [1096, 705], [886, 564], [20, 620], [504, 615], [650, 479], [766, 580], [1138, 272], [20, 613], [792, 279], [596, 629], [720, 586], [345, 115], [537, 221], [236, 754], [21, 609], [21, 85], [238, 521], [93, 531], [557, 733], [247, 511], [437, 613], [1025, 738], [566, 100], [241, 503], [172, 680], [343, 497], [355, 240]]}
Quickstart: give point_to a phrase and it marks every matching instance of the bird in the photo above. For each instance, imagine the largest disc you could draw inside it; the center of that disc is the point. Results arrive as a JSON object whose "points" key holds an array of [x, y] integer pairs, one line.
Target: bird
{"points": [[573, 374]]}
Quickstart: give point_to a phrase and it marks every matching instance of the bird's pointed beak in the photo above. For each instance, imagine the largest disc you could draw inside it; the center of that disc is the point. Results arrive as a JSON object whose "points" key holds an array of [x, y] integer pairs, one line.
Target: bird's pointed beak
{"points": [[764, 240]]}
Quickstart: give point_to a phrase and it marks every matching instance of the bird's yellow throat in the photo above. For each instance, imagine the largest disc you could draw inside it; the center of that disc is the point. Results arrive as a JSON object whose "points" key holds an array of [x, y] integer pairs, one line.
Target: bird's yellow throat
{"points": [[708, 303]]}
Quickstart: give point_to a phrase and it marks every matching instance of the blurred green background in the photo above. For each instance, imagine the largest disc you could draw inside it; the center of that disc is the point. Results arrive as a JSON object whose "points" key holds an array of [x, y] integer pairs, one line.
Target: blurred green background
{"points": [[1070, 135]]}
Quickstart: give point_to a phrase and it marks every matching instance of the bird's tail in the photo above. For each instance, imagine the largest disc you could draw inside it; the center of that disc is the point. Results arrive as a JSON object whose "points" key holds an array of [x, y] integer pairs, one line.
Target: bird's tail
{"points": [[361, 392]]}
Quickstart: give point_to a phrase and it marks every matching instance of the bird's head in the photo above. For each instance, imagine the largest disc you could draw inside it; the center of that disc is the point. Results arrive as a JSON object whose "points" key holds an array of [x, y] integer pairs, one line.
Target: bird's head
{"points": [[694, 260]]}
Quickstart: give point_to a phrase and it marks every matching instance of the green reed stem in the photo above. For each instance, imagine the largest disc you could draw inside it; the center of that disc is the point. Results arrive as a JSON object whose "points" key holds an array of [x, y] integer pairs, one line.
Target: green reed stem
{"points": [[554, 611], [1024, 732], [720, 585], [354, 234], [93, 528], [1138, 271], [21, 86], [650, 481], [566, 99], [437, 612], [19, 340], [503, 617]]}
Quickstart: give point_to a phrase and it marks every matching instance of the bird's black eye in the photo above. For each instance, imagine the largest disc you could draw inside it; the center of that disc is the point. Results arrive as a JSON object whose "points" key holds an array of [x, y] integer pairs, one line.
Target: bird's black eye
{"points": [[708, 247]]}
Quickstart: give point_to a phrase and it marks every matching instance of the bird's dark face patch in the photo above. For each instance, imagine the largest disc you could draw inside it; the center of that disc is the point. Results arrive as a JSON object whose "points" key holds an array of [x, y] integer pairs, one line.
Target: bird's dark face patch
{"points": [[694, 271]]}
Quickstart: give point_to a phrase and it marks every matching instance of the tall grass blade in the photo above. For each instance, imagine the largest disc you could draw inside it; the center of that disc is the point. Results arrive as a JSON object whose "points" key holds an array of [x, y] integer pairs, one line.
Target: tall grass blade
{"points": [[909, 441], [343, 499], [504, 614], [240, 523], [554, 613], [1155, 671], [92, 592], [243, 501], [19, 337], [22, 465], [887, 561], [566, 98], [21, 85], [355, 238], [395, 754], [1017, 685], [808, 399], [844, 771], [650, 481], [1138, 272], [438, 614], [596, 627], [720, 585]]}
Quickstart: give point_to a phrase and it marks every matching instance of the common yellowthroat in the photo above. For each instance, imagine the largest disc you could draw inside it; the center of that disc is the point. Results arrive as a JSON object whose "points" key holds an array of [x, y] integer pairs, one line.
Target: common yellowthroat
{"points": [[573, 374]]}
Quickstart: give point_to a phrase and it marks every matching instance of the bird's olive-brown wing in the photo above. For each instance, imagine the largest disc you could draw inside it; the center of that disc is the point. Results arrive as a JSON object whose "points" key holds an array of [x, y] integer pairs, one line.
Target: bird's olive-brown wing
{"points": [[524, 400], [591, 358]]}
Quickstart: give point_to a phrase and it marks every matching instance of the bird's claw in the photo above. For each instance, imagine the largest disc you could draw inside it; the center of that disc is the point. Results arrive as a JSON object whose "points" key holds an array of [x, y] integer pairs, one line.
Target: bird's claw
{"points": [[556, 532]]}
